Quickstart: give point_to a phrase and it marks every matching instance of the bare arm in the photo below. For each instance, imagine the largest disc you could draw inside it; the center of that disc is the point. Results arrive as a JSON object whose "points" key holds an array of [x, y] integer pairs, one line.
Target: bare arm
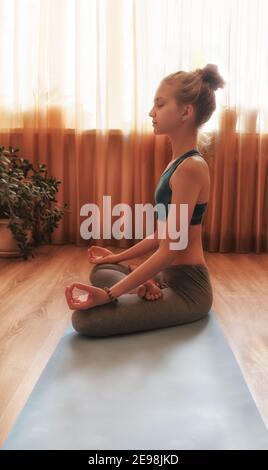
{"points": [[158, 261], [186, 189], [144, 246]]}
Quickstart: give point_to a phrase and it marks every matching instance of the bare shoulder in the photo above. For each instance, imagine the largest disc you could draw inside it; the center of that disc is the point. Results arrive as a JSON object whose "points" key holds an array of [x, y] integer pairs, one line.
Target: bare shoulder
{"points": [[194, 166], [195, 161]]}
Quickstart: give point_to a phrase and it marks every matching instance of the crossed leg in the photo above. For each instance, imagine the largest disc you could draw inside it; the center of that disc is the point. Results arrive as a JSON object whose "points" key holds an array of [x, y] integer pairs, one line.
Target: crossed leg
{"points": [[132, 313]]}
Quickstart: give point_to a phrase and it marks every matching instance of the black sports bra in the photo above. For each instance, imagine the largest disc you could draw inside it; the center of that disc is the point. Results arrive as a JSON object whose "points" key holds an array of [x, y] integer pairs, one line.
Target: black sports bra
{"points": [[163, 191]]}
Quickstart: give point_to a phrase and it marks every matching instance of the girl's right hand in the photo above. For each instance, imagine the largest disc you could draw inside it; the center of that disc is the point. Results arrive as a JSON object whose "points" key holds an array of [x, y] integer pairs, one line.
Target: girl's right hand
{"points": [[100, 255]]}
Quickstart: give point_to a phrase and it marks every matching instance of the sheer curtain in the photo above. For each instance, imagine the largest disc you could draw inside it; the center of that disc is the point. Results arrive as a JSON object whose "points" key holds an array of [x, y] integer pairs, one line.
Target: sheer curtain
{"points": [[77, 83]]}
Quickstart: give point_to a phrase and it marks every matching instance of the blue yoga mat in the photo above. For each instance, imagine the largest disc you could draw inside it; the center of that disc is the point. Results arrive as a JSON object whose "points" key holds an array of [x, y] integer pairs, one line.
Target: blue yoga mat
{"points": [[172, 388]]}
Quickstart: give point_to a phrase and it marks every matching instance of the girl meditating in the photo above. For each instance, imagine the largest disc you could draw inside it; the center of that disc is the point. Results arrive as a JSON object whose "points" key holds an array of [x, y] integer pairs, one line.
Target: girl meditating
{"points": [[172, 286]]}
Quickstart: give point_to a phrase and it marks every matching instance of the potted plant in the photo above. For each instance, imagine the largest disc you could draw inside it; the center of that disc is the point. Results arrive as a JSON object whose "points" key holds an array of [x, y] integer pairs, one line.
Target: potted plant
{"points": [[28, 214]]}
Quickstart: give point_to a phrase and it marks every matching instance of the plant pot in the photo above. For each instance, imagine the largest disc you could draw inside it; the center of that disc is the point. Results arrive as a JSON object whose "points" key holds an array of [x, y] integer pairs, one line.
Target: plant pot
{"points": [[8, 245]]}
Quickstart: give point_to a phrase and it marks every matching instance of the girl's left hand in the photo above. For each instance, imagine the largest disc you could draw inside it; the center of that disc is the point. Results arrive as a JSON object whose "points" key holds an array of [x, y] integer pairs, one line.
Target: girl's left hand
{"points": [[94, 296]]}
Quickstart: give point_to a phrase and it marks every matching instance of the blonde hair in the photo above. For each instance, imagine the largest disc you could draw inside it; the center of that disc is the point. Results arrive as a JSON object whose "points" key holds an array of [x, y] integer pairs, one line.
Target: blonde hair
{"points": [[197, 88]]}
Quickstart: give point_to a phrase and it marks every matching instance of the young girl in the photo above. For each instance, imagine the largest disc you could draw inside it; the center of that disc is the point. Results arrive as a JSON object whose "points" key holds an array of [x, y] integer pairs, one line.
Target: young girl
{"points": [[171, 287]]}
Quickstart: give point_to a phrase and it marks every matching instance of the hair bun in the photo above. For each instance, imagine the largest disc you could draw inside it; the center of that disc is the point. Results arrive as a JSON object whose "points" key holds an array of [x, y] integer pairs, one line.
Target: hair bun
{"points": [[211, 75]]}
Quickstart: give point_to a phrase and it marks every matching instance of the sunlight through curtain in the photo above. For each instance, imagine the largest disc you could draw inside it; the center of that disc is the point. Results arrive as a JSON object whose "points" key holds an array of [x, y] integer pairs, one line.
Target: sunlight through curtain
{"points": [[77, 82]]}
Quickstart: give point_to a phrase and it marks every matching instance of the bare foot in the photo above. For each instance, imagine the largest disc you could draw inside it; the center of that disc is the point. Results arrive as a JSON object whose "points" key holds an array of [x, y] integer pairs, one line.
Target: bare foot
{"points": [[150, 290]]}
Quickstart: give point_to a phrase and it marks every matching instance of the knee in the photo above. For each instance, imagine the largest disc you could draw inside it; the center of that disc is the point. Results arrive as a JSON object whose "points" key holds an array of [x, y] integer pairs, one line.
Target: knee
{"points": [[77, 322], [93, 271], [82, 325], [96, 276], [86, 324]]}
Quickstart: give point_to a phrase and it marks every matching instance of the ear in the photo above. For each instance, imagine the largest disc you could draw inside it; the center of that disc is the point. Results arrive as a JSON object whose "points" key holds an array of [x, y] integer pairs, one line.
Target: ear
{"points": [[187, 111]]}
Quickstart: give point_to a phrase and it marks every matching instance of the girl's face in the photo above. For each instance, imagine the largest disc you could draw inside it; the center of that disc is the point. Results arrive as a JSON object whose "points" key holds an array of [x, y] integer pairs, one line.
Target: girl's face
{"points": [[166, 113]]}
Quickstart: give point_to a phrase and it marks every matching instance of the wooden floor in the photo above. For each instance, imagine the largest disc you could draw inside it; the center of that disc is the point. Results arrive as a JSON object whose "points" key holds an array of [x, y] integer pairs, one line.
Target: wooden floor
{"points": [[34, 315]]}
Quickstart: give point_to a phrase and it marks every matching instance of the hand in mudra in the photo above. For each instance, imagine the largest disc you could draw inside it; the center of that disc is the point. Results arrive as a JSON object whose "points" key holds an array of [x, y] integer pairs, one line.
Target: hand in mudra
{"points": [[91, 296], [150, 290], [100, 255]]}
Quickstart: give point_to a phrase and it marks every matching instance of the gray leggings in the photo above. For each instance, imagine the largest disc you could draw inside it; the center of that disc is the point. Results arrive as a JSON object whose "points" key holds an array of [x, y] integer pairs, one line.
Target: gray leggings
{"points": [[187, 297]]}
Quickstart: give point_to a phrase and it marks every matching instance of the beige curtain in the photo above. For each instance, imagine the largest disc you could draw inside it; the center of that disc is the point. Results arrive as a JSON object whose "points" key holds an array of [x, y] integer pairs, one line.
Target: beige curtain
{"points": [[77, 82]]}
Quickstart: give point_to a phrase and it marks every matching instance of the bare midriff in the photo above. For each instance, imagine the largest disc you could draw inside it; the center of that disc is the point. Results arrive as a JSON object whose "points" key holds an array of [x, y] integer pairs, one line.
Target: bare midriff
{"points": [[194, 253]]}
